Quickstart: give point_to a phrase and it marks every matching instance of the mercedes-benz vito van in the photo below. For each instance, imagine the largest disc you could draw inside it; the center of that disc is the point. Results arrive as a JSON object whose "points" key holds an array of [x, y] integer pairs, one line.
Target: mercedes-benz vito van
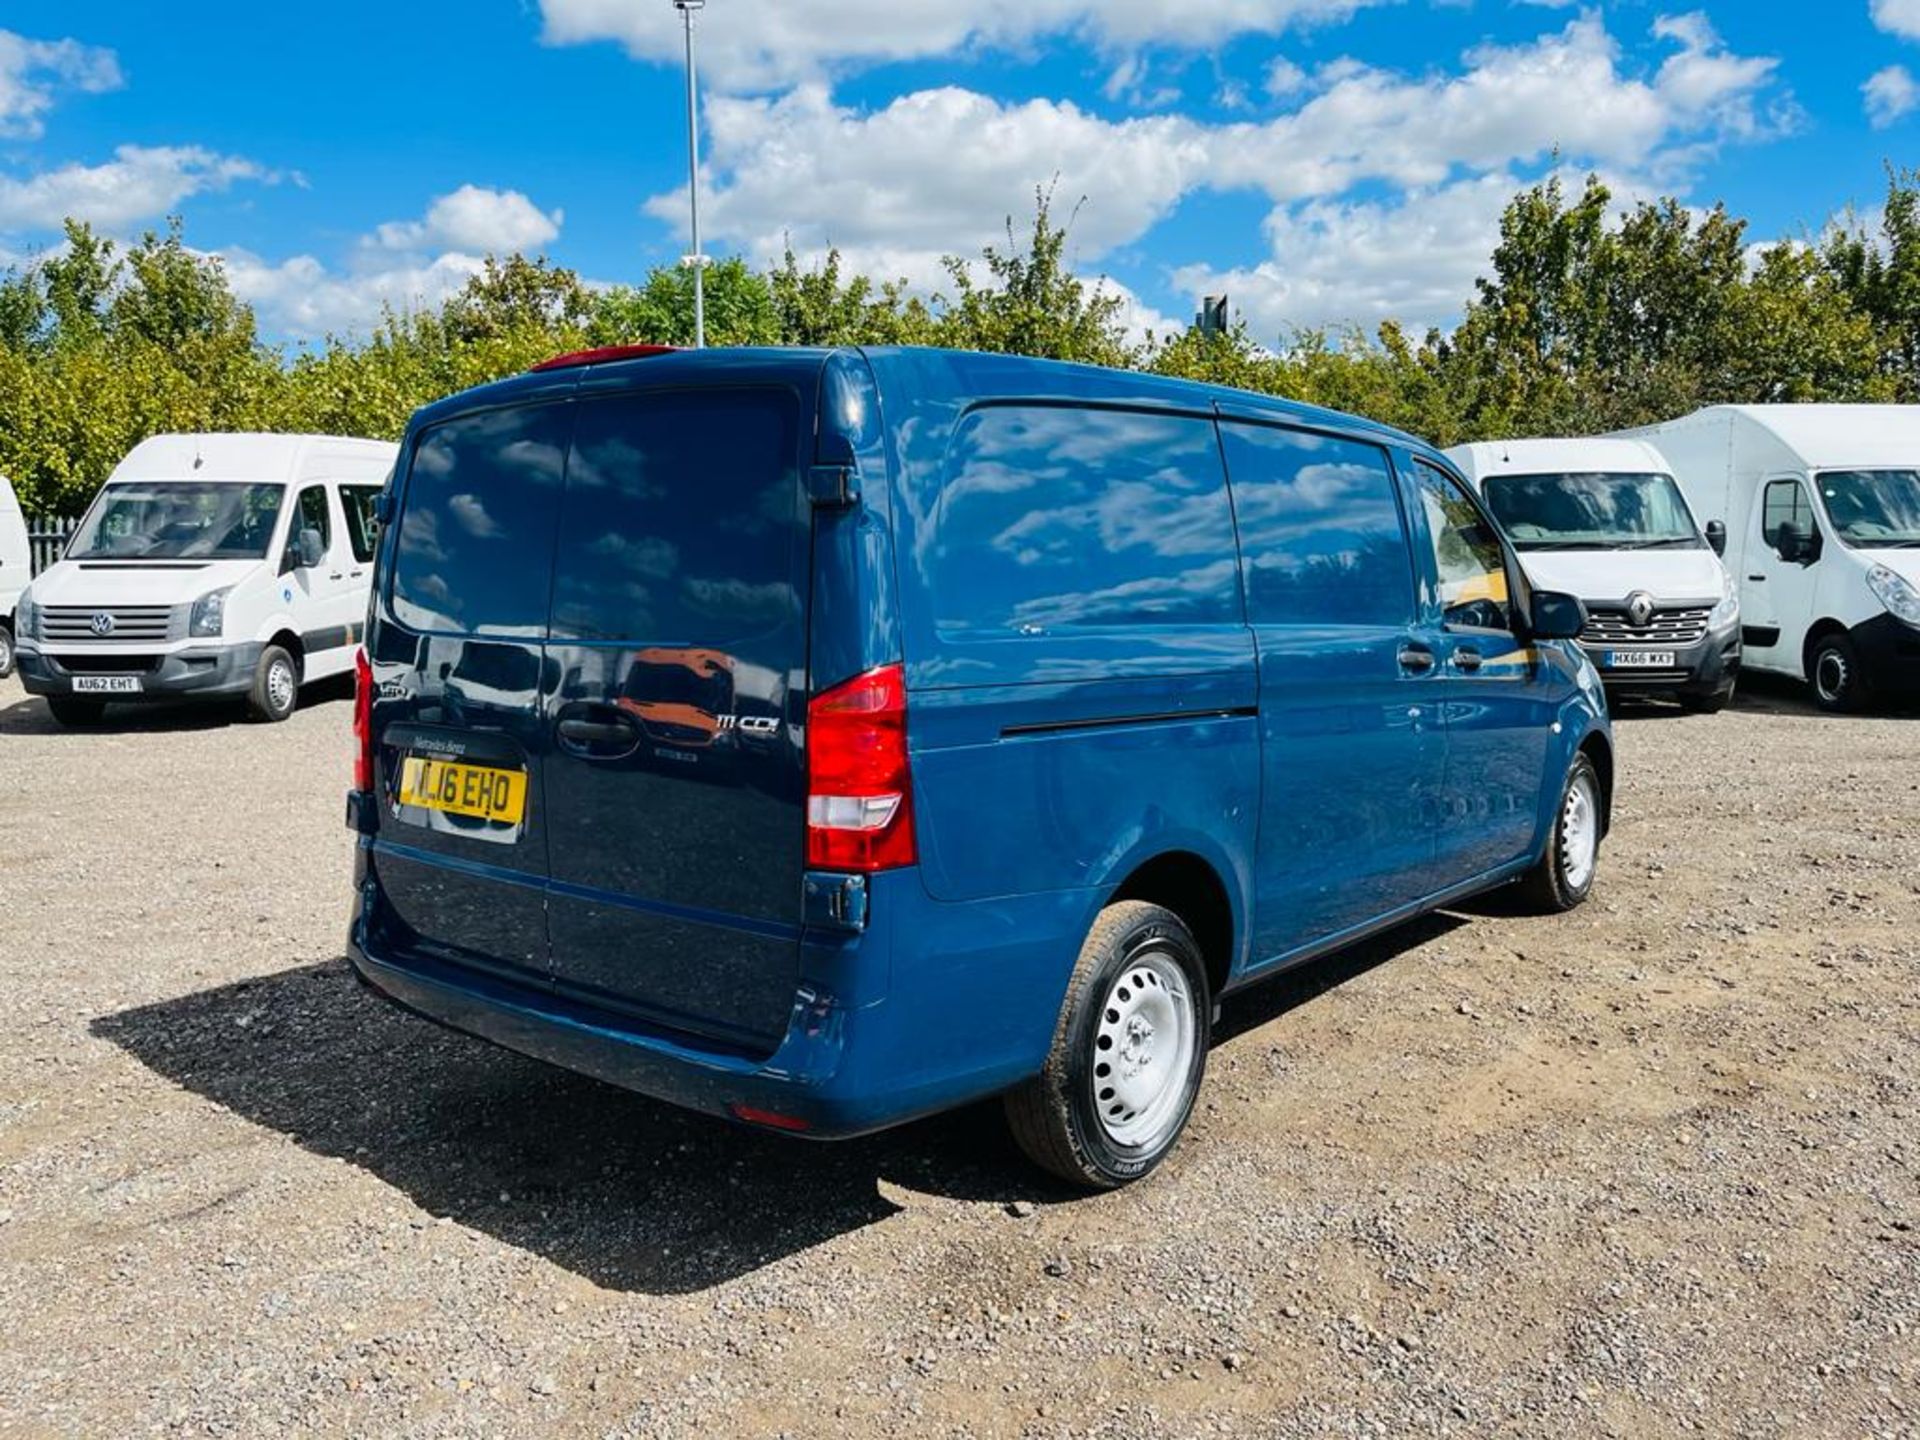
{"points": [[1604, 520], [903, 727], [209, 566]]}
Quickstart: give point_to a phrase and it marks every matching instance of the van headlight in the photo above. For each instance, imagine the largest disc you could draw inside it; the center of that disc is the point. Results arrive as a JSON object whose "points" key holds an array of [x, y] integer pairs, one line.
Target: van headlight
{"points": [[26, 618], [1727, 612], [1896, 592], [209, 614]]}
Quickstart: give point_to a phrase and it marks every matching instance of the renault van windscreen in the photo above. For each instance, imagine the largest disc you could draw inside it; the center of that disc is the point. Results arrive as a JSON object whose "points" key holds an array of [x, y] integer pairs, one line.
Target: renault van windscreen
{"points": [[183, 520], [1592, 511], [1874, 509]]}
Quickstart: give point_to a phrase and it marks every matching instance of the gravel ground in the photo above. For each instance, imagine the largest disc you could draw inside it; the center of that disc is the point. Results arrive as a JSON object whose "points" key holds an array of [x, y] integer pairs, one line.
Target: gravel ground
{"points": [[1647, 1169]]}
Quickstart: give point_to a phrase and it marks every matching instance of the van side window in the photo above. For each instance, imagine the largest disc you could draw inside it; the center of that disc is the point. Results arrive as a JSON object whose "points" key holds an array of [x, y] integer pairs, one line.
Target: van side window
{"points": [[312, 515], [476, 524], [1785, 502], [682, 514], [362, 533], [1056, 517], [1471, 563], [1321, 535]]}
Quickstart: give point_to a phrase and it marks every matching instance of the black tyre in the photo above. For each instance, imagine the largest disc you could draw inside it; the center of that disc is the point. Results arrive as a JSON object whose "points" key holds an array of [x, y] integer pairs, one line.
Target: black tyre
{"points": [[75, 713], [6, 650], [276, 686], [1840, 682], [1129, 1052], [1564, 877]]}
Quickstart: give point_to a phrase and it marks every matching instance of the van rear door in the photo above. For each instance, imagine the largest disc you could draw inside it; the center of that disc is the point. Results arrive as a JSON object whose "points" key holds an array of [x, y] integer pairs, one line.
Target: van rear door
{"points": [[675, 783], [457, 649]]}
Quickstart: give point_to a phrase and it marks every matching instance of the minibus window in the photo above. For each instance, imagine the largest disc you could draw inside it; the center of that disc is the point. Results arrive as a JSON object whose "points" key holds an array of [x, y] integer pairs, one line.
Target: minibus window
{"points": [[179, 520], [1471, 564], [362, 531], [1321, 534], [1059, 518]]}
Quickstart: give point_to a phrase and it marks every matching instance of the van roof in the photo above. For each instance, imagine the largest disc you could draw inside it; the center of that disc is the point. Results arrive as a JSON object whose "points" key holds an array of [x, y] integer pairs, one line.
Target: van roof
{"points": [[924, 370], [1823, 436], [242, 458], [1544, 455]]}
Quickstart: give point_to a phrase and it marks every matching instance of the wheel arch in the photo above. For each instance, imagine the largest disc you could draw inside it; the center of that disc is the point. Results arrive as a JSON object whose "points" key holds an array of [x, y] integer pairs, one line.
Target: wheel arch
{"points": [[1599, 749], [1191, 887]]}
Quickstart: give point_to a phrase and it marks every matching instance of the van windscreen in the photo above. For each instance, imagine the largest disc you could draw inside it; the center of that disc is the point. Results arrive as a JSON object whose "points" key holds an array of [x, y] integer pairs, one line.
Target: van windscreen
{"points": [[1874, 509], [179, 520], [1591, 510]]}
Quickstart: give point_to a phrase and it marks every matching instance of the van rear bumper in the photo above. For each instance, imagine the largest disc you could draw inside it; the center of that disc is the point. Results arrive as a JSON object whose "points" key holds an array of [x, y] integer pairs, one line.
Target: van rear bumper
{"points": [[209, 672]]}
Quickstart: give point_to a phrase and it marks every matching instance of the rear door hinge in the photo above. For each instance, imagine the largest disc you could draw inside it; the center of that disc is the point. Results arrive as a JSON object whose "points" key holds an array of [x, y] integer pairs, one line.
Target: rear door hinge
{"points": [[837, 902], [833, 487]]}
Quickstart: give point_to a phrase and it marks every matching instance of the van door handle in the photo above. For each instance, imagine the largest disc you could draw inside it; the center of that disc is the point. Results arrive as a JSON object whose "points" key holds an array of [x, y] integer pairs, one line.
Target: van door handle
{"points": [[598, 732], [1416, 659], [1467, 660]]}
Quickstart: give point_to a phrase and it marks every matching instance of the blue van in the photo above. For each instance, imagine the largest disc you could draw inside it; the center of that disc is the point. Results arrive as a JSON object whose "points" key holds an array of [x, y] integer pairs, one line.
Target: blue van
{"points": [[825, 738]]}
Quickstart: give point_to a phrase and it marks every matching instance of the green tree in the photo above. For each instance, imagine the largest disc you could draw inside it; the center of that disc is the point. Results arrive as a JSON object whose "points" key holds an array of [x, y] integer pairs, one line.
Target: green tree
{"points": [[739, 308]]}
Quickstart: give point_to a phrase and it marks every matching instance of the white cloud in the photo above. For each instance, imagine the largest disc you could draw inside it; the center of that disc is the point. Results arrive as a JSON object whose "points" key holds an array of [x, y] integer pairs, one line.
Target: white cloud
{"points": [[33, 71], [495, 222], [937, 172], [140, 183], [769, 44], [1891, 95], [1898, 17], [402, 265]]}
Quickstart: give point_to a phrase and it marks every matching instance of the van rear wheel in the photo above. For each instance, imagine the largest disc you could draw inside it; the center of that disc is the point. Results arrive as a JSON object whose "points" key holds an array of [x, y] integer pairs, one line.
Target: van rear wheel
{"points": [[276, 686], [1128, 1055], [1564, 877]]}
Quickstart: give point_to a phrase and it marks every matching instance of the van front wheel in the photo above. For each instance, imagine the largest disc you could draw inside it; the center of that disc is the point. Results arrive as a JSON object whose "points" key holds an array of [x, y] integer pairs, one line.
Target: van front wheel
{"points": [[1129, 1052], [1840, 683], [6, 650], [276, 685], [1564, 876]]}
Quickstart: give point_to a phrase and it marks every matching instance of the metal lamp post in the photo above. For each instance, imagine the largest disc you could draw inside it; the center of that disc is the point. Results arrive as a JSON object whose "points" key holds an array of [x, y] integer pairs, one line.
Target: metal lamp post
{"points": [[698, 260]]}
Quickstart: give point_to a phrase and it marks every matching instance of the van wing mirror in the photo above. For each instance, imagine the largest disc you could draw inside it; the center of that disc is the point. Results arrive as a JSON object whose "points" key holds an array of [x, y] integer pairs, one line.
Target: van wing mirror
{"points": [[1797, 545], [1717, 536], [312, 550], [1556, 616]]}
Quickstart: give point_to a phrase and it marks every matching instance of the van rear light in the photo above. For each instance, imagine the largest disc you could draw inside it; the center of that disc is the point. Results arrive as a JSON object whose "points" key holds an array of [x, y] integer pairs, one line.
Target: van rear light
{"points": [[602, 355], [362, 721], [859, 793], [772, 1119]]}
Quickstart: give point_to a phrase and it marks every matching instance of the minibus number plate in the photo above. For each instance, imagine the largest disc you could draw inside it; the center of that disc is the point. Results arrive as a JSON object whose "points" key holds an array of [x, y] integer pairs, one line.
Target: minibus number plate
{"points": [[476, 790]]}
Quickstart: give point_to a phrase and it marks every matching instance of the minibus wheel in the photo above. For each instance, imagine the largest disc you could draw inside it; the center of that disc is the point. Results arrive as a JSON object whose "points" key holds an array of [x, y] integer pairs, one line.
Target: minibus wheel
{"points": [[1840, 684], [1128, 1055], [276, 685], [1564, 877]]}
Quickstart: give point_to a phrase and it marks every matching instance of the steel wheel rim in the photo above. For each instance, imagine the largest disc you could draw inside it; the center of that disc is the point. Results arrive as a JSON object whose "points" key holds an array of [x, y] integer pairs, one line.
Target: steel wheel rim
{"points": [[6, 652], [1830, 675], [1143, 1049], [1580, 832], [280, 686]]}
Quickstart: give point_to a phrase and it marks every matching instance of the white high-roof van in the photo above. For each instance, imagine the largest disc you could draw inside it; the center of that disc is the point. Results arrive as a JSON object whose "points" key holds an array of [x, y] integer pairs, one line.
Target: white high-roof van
{"points": [[1821, 505], [16, 562], [209, 565], [1604, 520]]}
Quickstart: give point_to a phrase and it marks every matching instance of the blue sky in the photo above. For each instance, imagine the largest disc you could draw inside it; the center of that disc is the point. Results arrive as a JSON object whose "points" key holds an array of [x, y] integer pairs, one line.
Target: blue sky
{"points": [[1323, 161]]}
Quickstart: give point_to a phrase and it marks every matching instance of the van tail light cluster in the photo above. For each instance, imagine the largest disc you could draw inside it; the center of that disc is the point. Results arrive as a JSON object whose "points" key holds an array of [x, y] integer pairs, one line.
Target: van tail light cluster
{"points": [[859, 791], [362, 722]]}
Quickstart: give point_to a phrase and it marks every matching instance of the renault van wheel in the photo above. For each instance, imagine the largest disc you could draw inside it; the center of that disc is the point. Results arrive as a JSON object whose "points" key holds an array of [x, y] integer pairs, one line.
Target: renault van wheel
{"points": [[1840, 683], [1128, 1054], [276, 686], [6, 651], [75, 713], [1564, 876]]}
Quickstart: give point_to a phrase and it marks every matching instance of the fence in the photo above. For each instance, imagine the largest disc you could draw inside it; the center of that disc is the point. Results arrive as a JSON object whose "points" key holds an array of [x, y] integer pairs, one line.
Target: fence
{"points": [[46, 538]]}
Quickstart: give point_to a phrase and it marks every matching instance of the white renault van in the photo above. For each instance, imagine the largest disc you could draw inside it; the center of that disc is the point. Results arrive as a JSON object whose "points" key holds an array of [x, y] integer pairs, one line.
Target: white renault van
{"points": [[1821, 505], [1604, 520], [209, 565], [16, 563]]}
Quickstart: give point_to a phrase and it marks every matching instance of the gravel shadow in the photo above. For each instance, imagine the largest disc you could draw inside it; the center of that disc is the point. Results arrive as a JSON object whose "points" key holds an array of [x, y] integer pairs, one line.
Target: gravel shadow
{"points": [[628, 1192]]}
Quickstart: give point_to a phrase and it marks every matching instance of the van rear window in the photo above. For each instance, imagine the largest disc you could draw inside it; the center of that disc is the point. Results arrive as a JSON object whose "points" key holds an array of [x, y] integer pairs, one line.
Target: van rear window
{"points": [[475, 546], [1062, 518]]}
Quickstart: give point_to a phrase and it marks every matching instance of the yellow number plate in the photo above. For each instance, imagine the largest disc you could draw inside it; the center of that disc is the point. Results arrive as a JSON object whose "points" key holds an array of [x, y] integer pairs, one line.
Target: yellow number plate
{"points": [[477, 790]]}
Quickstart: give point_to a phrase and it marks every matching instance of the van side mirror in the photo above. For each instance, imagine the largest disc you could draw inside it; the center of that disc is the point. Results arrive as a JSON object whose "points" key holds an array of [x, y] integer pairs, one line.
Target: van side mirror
{"points": [[1556, 616], [1795, 545], [1717, 537], [313, 551]]}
